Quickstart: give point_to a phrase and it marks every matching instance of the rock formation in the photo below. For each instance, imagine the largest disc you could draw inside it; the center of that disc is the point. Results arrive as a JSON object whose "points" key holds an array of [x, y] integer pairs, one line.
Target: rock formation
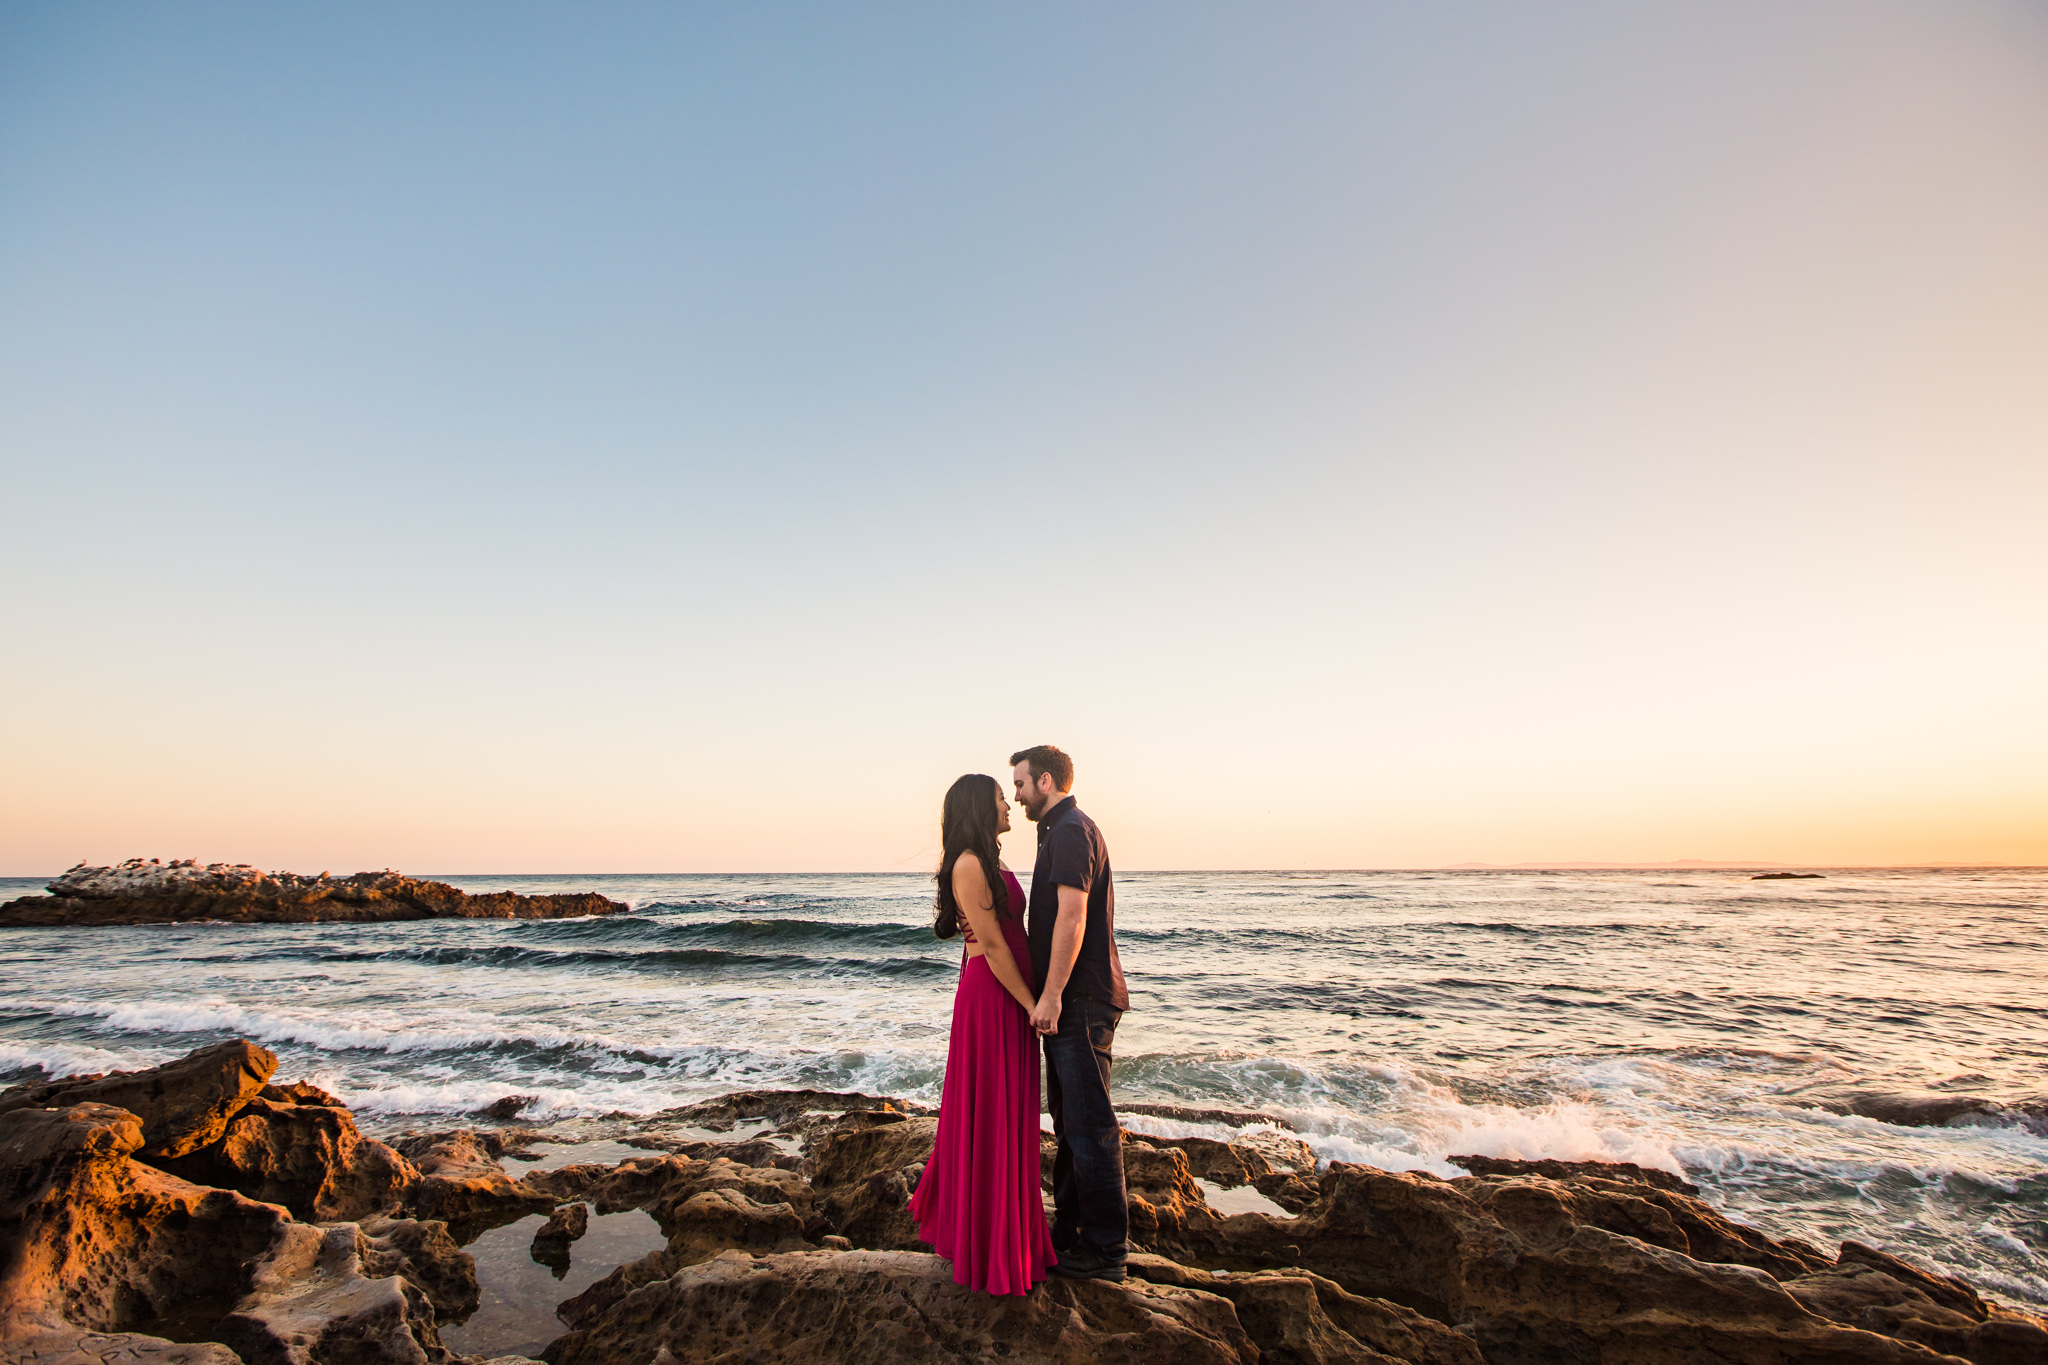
{"points": [[551, 1244], [312, 1244], [182, 1106], [138, 892], [107, 1255], [307, 1157], [1926, 1108], [899, 1308]]}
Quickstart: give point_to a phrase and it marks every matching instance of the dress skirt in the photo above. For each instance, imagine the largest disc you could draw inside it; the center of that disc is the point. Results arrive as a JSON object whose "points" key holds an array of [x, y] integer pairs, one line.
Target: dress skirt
{"points": [[979, 1203]]}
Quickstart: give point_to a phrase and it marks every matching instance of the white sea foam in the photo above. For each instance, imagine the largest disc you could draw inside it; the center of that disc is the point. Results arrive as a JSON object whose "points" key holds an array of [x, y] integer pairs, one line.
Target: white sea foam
{"points": [[466, 1097], [71, 1059], [452, 1032]]}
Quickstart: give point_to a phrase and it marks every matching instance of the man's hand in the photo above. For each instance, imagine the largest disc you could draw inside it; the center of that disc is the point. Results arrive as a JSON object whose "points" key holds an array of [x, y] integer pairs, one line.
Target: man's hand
{"points": [[1045, 1015]]}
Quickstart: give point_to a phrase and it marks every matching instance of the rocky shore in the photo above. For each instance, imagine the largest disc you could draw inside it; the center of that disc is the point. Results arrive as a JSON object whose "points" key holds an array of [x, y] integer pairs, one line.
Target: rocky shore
{"points": [[202, 1214], [139, 892]]}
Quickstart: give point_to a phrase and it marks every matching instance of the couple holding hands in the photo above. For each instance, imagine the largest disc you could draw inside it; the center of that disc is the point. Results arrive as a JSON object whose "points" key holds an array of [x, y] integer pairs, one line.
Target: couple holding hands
{"points": [[1039, 971]]}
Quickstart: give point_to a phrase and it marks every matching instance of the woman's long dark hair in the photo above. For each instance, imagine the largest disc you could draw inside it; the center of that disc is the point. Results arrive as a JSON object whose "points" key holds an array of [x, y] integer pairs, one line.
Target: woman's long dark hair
{"points": [[967, 824]]}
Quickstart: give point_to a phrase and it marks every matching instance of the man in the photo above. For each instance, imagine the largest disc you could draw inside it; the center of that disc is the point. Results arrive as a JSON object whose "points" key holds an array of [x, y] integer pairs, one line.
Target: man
{"points": [[1072, 929]]}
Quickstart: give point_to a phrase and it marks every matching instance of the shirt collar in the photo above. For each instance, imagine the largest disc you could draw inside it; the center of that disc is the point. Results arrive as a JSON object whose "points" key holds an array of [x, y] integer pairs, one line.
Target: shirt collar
{"points": [[1056, 812]]}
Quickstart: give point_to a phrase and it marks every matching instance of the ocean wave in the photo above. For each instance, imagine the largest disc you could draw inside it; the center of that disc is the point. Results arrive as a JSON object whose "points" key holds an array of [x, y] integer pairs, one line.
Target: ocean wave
{"points": [[69, 1059], [326, 1033], [1398, 1119], [804, 931], [649, 960], [689, 1075]]}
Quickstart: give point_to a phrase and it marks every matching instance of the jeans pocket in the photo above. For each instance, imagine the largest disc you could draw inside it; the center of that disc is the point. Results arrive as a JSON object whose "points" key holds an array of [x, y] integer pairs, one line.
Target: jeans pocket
{"points": [[1102, 1023]]}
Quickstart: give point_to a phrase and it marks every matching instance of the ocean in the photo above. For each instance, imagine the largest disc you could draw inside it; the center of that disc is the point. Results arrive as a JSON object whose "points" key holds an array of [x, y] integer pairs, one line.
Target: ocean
{"points": [[1393, 1018]]}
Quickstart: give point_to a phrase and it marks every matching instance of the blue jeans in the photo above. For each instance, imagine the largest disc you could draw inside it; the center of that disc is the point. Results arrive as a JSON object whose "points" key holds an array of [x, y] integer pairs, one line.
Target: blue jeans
{"points": [[1088, 1171]]}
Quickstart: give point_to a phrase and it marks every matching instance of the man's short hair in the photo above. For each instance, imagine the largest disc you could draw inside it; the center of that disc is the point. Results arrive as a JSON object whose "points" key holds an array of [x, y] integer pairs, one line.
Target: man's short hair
{"points": [[1044, 759]]}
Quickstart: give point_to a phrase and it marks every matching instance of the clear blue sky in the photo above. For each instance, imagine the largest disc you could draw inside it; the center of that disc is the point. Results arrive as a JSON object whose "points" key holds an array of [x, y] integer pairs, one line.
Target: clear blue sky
{"points": [[500, 437]]}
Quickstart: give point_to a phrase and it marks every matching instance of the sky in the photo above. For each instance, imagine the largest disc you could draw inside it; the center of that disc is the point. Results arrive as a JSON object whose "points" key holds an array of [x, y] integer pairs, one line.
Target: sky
{"points": [[520, 438]]}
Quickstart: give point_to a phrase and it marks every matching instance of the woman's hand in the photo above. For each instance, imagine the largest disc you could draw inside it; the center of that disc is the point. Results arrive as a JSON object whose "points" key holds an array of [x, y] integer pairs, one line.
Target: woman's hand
{"points": [[1045, 1015]]}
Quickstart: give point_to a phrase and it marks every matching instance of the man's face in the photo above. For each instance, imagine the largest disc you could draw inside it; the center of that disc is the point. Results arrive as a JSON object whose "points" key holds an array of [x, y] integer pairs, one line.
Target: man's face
{"points": [[1033, 793]]}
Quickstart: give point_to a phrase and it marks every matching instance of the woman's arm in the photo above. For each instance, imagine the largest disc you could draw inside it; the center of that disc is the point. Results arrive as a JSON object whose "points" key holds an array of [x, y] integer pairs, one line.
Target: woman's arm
{"points": [[977, 902]]}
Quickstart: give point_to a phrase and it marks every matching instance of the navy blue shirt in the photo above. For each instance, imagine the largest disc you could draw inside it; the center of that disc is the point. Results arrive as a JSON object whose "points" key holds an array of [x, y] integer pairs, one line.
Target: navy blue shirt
{"points": [[1071, 853]]}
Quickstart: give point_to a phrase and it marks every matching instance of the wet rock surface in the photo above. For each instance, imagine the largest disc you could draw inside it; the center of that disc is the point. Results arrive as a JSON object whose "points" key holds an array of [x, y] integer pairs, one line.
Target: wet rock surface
{"points": [[182, 1105], [1926, 1108], [139, 892], [462, 1183], [307, 1157], [898, 1306], [228, 1218], [550, 1245]]}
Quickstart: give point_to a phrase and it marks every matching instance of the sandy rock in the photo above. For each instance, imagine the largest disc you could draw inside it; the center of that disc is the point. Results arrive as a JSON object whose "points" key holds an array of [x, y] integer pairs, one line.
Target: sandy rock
{"points": [[1232, 1118], [183, 1105], [551, 1242], [462, 1184], [299, 1092], [507, 1107], [780, 1107], [1598, 1295], [1907, 1108], [65, 1345], [98, 1243], [752, 1152], [760, 1184], [307, 1157], [702, 1207], [662, 1185], [95, 1240], [1281, 1152], [1294, 1193], [1647, 1212], [139, 892], [426, 1255], [311, 1303], [899, 1308], [861, 1173], [1534, 1283], [1220, 1163], [566, 1224], [1168, 1213], [1296, 1316], [706, 1225], [1626, 1171], [1229, 1165], [1881, 1293]]}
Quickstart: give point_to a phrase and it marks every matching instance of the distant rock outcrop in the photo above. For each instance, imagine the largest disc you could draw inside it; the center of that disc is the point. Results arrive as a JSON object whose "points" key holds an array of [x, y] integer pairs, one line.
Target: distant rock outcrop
{"points": [[139, 892]]}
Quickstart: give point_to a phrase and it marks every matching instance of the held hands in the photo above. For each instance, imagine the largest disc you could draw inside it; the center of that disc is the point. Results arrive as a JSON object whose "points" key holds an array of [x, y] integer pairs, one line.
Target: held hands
{"points": [[1045, 1015]]}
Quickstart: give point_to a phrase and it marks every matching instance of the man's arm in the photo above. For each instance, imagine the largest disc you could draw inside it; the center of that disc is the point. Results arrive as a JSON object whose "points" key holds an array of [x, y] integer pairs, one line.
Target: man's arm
{"points": [[1067, 932]]}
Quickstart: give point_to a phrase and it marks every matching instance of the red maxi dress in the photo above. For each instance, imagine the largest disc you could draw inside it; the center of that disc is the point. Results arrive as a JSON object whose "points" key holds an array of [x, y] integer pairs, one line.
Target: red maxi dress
{"points": [[979, 1204]]}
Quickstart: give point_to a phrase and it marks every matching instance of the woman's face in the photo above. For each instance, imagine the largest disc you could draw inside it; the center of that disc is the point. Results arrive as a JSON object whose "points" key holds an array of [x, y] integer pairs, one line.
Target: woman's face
{"points": [[1002, 812]]}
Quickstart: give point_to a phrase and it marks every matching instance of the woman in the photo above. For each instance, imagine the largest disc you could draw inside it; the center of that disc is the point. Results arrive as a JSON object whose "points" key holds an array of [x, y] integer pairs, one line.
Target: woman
{"points": [[978, 1203]]}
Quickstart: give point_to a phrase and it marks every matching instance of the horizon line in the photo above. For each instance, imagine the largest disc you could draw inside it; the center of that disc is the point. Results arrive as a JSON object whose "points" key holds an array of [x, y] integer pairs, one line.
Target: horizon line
{"points": [[1674, 865]]}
